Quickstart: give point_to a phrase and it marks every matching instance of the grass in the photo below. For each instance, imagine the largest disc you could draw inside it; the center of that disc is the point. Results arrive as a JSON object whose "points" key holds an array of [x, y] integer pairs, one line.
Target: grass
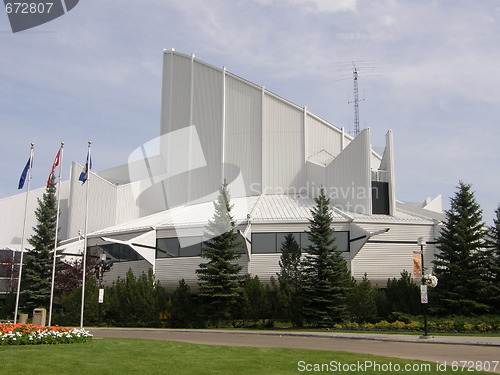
{"points": [[148, 357]]}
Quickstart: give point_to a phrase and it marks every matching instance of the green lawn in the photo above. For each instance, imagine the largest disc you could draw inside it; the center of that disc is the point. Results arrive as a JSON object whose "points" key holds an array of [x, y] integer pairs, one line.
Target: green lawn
{"points": [[148, 357]]}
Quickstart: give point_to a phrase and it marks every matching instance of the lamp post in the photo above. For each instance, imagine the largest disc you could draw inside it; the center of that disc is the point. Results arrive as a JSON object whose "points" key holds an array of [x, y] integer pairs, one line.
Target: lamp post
{"points": [[423, 287], [101, 267]]}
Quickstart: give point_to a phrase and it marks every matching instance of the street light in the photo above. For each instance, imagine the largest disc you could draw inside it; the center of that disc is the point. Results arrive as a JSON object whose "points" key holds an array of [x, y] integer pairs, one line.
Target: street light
{"points": [[102, 266], [423, 287]]}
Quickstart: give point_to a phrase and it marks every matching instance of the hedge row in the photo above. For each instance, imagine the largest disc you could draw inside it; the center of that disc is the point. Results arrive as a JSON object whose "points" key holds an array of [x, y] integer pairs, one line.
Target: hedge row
{"points": [[444, 326]]}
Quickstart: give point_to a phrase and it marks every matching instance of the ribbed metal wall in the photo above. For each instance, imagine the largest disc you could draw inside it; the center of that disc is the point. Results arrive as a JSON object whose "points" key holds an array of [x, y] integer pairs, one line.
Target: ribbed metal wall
{"points": [[243, 131], [321, 137], [181, 93], [387, 260], [166, 93], [171, 270], [120, 269], [282, 146], [102, 203], [349, 176], [126, 208], [207, 117]]}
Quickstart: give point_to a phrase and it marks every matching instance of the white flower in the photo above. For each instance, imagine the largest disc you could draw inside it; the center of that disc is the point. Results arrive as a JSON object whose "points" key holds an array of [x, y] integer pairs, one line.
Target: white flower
{"points": [[430, 280]]}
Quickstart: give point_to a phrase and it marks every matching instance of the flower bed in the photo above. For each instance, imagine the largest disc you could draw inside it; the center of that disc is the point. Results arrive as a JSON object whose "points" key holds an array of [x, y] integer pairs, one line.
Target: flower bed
{"points": [[30, 334]]}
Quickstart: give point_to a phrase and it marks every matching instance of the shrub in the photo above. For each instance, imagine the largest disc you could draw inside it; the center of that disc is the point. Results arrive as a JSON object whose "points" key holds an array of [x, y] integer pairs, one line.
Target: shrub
{"points": [[414, 326], [484, 327], [398, 325], [468, 327], [383, 325], [368, 326], [352, 325], [446, 326]]}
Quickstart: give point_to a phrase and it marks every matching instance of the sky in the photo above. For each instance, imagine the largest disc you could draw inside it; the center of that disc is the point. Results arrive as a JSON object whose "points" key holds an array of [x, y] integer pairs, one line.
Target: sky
{"points": [[428, 70]]}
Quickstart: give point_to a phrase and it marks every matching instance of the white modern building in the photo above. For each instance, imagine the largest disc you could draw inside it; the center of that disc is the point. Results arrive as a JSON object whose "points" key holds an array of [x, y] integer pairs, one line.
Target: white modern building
{"points": [[151, 211]]}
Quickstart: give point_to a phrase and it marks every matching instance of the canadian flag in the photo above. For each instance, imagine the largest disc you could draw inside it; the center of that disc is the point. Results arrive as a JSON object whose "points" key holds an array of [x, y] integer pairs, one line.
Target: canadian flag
{"points": [[56, 164]]}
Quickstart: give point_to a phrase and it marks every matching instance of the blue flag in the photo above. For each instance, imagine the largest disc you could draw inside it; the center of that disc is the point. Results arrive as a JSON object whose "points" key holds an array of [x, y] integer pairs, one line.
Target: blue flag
{"points": [[24, 174], [84, 176]]}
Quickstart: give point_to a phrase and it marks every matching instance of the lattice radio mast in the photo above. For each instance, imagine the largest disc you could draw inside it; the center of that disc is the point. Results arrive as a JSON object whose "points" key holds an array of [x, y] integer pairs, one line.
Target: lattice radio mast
{"points": [[356, 100]]}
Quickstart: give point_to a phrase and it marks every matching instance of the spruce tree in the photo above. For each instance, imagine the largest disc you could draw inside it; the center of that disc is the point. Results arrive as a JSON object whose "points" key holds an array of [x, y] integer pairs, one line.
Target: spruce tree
{"points": [[219, 277], [361, 301], [183, 314], [460, 264], [37, 272], [290, 281], [493, 288], [326, 277], [403, 295]]}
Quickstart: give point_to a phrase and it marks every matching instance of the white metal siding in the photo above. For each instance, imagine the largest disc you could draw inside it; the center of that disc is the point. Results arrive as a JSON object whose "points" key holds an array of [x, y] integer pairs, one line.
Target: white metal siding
{"points": [[169, 271], [102, 203], [321, 136], [243, 141], [283, 146], [349, 177], [166, 93], [207, 117], [120, 269], [181, 93], [387, 260]]}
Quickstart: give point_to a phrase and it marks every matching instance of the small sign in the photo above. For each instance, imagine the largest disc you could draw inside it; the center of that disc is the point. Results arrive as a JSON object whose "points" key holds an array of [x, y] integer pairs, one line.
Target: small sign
{"points": [[101, 295], [423, 294]]}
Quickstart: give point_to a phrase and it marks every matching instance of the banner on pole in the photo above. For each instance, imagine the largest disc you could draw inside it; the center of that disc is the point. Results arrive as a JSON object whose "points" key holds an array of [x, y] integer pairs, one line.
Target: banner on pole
{"points": [[101, 295], [423, 294], [417, 264]]}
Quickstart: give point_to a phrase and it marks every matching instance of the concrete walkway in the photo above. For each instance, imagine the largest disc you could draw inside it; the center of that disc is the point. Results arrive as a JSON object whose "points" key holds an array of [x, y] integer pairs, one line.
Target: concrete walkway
{"points": [[448, 340], [437, 349]]}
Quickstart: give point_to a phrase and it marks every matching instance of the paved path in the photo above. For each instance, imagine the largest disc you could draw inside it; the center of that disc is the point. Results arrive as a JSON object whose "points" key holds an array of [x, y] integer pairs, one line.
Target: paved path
{"points": [[434, 349]]}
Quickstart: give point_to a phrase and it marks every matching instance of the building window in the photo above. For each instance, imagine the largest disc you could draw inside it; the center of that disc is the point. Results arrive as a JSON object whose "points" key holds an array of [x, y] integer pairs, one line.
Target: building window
{"points": [[117, 252], [167, 247], [191, 246], [265, 243], [178, 247]]}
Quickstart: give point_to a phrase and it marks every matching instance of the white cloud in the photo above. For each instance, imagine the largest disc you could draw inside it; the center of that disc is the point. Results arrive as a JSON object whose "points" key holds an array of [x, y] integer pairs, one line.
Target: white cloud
{"points": [[323, 6]]}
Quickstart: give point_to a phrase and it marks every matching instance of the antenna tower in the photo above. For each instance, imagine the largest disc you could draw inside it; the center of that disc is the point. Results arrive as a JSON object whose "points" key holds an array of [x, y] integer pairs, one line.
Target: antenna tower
{"points": [[356, 100], [367, 71]]}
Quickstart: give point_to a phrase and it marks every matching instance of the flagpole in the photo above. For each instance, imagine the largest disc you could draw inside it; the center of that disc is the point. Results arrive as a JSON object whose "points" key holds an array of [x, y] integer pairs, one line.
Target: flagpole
{"points": [[87, 178], [60, 161], [24, 232]]}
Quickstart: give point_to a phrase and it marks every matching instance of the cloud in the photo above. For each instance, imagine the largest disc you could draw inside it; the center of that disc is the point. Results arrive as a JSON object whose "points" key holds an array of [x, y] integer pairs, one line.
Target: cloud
{"points": [[321, 6]]}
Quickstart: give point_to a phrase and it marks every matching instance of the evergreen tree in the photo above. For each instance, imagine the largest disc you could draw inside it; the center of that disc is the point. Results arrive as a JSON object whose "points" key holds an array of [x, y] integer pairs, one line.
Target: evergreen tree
{"points": [[219, 277], [183, 307], [37, 272], [493, 288], [326, 277], [403, 295], [255, 301], [361, 301], [290, 281], [460, 264]]}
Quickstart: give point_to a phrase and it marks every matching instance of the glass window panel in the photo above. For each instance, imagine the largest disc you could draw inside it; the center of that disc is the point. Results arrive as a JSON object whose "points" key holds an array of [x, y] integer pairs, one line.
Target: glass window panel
{"points": [[191, 246], [342, 241], [167, 247], [280, 239], [304, 241], [6, 270], [263, 243]]}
